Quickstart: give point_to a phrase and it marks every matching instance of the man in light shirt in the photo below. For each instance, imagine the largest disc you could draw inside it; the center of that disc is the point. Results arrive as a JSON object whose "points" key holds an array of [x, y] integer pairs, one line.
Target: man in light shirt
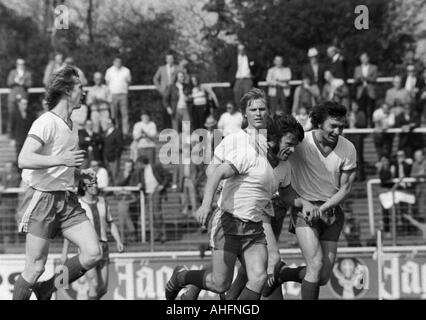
{"points": [[323, 171], [118, 79], [99, 100], [49, 159], [383, 119], [278, 79], [144, 134], [230, 121]]}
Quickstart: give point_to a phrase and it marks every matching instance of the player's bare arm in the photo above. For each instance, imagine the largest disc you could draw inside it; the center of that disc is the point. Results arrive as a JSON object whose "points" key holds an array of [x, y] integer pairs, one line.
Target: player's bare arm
{"points": [[223, 171], [347, 179], [30, 157]]}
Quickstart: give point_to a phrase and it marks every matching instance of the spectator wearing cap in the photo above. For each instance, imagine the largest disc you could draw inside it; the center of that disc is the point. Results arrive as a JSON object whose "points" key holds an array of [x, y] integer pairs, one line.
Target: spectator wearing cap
{"points": [[99, 101], [314, 69], [365, 76], [278, 79], [19, 81], [337, 63], [229, 122], [383, 119], [21, 122], [118, 79], [144, 134]]}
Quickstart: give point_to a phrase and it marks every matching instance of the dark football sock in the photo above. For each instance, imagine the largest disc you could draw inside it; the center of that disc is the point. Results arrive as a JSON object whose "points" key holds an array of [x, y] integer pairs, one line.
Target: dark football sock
{"points": [[310, 290], [22, 289], [238, 285], [292, 274], [248, 294], [75, 271], [195, 277]]}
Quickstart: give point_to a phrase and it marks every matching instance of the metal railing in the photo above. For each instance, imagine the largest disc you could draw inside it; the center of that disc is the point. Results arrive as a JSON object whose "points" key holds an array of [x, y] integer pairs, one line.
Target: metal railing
{"points": [[143, 215]]}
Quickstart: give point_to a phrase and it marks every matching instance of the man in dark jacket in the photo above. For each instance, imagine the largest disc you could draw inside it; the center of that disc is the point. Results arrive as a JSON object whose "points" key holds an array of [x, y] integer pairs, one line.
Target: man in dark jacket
{"points": [[242, 71], [91, 142], [113, 146], [154, 180]]}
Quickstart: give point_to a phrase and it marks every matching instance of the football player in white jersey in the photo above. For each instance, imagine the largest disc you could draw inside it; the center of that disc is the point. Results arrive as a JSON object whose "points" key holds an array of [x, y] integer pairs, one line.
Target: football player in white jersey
{"points": [[323, 171], [49, 159]]}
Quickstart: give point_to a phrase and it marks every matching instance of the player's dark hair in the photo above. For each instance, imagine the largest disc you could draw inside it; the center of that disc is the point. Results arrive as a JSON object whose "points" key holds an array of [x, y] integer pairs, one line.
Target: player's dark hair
{"points": [[250, 96], [81, 189], [61, 83], [281, 125], [322, 111]]}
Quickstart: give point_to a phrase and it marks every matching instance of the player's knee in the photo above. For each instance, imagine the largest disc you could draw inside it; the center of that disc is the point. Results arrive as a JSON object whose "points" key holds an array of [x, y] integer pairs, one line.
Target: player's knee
{"points": [[92, 256], [222, 285]]}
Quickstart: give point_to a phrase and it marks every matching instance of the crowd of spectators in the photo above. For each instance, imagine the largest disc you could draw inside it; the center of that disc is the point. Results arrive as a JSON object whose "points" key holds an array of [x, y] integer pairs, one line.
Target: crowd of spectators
{"points": [[105, 129]]}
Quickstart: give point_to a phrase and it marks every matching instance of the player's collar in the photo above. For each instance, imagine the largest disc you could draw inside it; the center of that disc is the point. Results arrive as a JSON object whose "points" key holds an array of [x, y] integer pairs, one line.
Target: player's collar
{"points": [[320, 148]]}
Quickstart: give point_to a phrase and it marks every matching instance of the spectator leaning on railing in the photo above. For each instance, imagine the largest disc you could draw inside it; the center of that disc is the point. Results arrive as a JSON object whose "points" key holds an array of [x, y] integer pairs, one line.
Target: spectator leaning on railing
{"points": [[91, 142], [305, 96], [54, 65]]}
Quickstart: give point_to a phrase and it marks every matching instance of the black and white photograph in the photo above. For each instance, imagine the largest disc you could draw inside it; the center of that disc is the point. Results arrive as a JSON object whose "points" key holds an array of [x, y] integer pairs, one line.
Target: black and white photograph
{"points": [[213, 150]]}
